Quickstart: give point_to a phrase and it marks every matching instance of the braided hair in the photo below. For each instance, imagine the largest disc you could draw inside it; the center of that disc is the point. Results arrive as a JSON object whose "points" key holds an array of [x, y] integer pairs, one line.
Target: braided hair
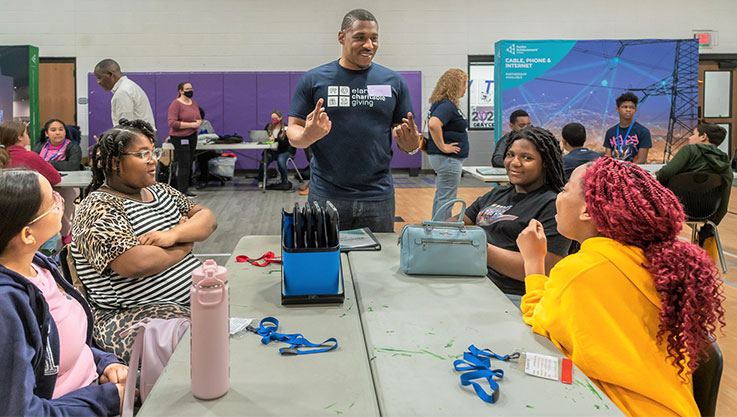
{"points": [[631, 207], [112, 144], [549, 149]]}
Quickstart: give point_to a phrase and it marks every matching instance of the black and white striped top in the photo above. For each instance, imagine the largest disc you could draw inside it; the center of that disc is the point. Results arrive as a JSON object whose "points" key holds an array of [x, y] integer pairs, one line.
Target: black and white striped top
{"points": [[106, 225]]}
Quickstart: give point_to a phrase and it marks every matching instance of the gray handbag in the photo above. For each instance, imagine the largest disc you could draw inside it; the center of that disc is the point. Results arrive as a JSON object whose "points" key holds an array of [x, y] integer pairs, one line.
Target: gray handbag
{"points": [[443, 248]]}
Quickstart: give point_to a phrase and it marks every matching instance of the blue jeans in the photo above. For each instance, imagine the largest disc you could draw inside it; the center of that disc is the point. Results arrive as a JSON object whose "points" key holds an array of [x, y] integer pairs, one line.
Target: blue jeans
{"points": [[281, 163], [353, 214], [448, 170]]}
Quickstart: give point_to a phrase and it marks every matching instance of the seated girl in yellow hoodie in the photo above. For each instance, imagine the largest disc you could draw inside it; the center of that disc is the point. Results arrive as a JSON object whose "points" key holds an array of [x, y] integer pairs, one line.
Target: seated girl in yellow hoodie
{"points": [[635, 303]]}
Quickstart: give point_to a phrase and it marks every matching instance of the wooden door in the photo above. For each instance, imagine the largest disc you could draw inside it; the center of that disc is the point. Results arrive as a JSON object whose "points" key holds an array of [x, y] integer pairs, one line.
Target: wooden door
{"points": [[57, 92], [718, 101]]}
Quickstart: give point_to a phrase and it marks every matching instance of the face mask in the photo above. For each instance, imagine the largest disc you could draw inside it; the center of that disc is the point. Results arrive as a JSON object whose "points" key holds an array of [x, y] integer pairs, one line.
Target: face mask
{"points": [[189, 94], [275, 121]]}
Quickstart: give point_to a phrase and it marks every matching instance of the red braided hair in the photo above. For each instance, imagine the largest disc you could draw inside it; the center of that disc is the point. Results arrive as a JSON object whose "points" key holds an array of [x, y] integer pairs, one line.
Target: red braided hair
{"points": [[631, 207]]}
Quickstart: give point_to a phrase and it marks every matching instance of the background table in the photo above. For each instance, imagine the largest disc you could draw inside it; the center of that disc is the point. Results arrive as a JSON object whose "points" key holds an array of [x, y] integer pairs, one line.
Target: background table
{"points": [[75, 179], [498, 175], [168, 146], [263, 382], [416, 326]]}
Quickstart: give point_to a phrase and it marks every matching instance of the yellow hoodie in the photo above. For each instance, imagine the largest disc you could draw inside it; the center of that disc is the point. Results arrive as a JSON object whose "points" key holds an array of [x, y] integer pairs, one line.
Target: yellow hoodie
{"points": [[600, 308]]}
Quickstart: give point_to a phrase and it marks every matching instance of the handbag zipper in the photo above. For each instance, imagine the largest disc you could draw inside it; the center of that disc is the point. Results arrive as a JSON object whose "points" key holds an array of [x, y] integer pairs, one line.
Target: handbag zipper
{"points": [[452, 242]]}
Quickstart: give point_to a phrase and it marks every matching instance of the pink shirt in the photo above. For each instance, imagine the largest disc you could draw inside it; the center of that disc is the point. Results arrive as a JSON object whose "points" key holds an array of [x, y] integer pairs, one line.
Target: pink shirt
{"points": [[76, 364], [180, 112]]}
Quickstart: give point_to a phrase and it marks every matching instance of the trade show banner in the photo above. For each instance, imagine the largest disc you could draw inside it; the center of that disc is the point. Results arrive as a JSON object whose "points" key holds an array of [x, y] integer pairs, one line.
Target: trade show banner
{"points": [[562, 81]]}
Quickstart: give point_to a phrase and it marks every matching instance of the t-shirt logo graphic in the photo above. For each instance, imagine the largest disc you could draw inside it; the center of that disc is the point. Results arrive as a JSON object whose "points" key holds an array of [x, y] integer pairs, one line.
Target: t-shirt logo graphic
{"points": [[492, 214], [625, 148], [335, 99]]}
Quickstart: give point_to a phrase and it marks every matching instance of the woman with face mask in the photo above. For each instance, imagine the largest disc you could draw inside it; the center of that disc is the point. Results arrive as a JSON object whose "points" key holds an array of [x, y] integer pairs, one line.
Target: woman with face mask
{"points": [[64, 154], [277, 131], [184, 122]]}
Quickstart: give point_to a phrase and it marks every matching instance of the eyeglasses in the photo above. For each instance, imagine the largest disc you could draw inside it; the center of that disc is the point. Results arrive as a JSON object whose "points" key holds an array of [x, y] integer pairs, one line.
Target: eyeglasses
{"points": [[147, 156], [58, 204]]}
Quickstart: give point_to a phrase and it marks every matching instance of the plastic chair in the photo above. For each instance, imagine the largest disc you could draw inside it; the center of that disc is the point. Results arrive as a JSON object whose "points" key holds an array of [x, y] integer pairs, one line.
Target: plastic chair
{"points": [[706, 379], [700, 193]]}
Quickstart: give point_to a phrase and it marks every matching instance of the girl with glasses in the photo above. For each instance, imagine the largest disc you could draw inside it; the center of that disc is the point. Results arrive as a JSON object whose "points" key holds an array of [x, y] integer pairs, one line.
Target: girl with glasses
{"points": [[132, 237], [45, 324]]}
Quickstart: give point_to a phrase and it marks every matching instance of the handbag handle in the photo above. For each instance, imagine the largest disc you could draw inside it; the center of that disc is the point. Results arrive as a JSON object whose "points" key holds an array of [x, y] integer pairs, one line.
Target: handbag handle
{"points": [[450, 203]]}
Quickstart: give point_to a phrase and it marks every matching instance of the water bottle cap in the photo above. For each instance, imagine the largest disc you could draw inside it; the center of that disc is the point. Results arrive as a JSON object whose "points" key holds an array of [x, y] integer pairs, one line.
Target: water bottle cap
{"points": [[211, 273]]}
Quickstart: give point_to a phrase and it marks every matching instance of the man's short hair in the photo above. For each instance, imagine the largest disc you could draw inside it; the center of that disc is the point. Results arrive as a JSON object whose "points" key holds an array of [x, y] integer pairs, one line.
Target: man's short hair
{"points": [[628, 96], [574, 134], [516, 115], [107, 64], [714, 132], [355, 15]]}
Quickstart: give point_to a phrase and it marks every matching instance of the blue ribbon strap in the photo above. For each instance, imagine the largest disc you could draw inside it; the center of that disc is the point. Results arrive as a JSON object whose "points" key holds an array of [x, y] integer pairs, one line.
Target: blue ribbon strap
{"points": [[267, 330], [478, 364]]}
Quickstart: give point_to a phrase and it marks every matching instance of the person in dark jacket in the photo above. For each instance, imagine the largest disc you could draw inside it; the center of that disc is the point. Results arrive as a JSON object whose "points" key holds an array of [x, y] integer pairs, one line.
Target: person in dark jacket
{"points": [[57, 147], [703, 155], [277, 131], [50, 368]]}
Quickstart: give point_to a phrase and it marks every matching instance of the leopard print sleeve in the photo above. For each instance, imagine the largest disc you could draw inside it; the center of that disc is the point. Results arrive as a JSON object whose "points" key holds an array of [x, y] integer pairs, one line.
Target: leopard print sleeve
{"points": [[183, 203], [101, 230]]}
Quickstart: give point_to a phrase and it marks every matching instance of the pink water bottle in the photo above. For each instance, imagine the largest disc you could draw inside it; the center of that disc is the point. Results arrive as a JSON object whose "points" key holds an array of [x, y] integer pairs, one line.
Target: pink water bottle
{"points": [[210, 332]]}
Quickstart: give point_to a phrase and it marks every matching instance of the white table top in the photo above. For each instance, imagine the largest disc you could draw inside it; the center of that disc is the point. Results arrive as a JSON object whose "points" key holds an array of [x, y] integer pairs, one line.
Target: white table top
{"points": [[262, 382], [416, 326], [77, 179], [497, 175], [221, 146]]}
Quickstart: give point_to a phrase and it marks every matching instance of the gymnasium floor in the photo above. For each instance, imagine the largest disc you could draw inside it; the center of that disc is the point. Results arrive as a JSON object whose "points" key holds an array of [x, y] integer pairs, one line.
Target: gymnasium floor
{"points": [[242, 209]]}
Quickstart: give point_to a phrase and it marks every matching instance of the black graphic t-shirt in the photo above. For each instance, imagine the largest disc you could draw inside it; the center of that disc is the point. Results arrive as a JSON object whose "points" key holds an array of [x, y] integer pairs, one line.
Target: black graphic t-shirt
{"points": [[352, 161], [627, 145], [503, 213]]}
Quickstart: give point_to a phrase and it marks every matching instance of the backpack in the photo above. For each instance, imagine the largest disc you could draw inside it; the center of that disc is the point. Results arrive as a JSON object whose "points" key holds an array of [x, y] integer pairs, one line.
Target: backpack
{"points": [[155, 341], [228, 139]]}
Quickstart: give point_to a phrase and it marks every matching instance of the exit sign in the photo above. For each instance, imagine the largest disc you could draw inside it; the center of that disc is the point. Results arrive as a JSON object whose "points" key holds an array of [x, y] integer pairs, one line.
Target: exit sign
{"points": [[706, 38]]}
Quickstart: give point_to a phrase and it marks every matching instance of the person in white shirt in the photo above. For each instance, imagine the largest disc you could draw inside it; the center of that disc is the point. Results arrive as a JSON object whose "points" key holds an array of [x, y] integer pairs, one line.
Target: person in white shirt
{"points": [[129, 100]]}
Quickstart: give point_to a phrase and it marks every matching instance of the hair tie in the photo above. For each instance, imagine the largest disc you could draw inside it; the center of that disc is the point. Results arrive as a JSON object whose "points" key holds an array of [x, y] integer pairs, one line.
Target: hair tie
{"points": [[2, 146]]}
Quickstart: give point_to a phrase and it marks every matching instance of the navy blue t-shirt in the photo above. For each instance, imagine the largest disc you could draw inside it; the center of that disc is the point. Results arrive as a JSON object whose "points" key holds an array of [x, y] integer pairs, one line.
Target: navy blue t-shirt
{"points": [[627, 148], [576, 158], [352, 161], [454, 128]]}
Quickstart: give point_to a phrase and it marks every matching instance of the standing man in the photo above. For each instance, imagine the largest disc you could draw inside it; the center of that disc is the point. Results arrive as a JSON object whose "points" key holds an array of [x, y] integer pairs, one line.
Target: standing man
{"points": [[129, 100], [628, 140], [346, 111], [519, 119]]}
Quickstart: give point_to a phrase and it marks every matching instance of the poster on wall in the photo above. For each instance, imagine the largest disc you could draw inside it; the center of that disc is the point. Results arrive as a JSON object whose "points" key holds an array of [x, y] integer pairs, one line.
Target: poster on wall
{"points": [[481, 96], [562, 81]]}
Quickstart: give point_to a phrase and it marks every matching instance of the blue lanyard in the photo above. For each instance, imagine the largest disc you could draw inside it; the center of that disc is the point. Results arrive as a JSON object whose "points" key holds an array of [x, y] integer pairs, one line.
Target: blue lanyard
{"points": [[620, 146], [478, 363], [267, 330]]}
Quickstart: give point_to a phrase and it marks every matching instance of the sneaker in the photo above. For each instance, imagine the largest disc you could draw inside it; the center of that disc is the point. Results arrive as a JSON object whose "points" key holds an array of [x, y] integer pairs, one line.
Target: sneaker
{"points": [[304, 190], [190, 195]]}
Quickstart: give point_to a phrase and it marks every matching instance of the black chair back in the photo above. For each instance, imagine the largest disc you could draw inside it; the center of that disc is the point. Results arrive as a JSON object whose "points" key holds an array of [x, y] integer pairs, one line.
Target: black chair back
{"points": [[700, 193], [706, 379]]}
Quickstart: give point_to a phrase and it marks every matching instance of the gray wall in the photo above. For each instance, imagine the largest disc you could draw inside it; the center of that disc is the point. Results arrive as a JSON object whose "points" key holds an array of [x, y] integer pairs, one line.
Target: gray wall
{"points": [[294, 35]]}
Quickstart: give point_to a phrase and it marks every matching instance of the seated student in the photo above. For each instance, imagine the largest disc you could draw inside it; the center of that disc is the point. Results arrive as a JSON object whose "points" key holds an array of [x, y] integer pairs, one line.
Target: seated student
{"points": [[203, 157], [49, 365], [628, 140], [519, 119], [635, 306], [15, 153], [574, 137], [57, 148], [535, 173], [277, 132], [702, 155], [132, 237]]}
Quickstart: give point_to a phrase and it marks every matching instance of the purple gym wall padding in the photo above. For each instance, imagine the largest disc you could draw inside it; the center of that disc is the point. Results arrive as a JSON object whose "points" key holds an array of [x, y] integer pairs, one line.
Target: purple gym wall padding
{"points": [[233, 102]]}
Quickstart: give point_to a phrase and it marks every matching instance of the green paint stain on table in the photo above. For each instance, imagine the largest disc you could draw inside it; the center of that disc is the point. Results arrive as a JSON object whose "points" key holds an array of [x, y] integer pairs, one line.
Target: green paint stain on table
{"points": [[370, 309], [385, 306], [454, 356], [430, 333], [342, 315], [338, 412], [402, 354], [433, 354], [372, 358], [529, 406], [389, 331], [450, 342], [274, 270], [352, 404], [596, 406], [330, 405], [591, 387], [350, 307]]}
